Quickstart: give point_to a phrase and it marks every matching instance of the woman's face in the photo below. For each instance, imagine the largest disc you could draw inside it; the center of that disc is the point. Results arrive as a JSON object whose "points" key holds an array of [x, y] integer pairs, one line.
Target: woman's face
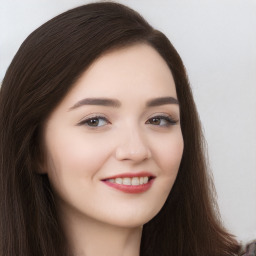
{"points": [[114, 144]]}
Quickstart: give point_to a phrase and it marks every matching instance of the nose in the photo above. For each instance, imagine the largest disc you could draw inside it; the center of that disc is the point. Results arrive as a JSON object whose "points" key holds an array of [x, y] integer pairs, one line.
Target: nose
{"points": [[132, 146]]}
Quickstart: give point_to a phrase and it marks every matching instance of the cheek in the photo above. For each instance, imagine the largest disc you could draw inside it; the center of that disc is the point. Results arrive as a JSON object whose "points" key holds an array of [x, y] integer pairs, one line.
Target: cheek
{"points": [[168, 150], [168, 154], [70, 156]]}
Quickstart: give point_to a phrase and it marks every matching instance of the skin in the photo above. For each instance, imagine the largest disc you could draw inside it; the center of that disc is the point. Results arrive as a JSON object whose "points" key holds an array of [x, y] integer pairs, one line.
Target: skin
{"points": [[82, 149]]}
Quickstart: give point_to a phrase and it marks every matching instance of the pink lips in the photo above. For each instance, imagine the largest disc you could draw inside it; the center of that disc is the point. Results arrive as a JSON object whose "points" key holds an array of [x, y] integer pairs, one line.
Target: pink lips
{"points": [[133, 189]]}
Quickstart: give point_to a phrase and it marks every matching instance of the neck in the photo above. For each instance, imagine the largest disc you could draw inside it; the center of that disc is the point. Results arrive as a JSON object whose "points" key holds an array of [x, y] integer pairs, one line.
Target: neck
{"points": [[90, 237]]}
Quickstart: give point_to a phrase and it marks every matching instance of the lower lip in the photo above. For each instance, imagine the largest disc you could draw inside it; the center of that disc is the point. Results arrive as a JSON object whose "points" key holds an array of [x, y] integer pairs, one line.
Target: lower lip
{"points": [[132, 189]]}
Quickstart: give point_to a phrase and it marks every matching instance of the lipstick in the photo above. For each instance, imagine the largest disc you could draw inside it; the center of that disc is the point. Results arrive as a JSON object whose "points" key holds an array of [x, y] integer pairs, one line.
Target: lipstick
{"points": [[131, 182]]}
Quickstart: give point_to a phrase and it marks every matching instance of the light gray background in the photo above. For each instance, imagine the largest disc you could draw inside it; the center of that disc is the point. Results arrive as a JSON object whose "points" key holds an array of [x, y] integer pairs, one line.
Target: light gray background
{"points": [[217, 42]]}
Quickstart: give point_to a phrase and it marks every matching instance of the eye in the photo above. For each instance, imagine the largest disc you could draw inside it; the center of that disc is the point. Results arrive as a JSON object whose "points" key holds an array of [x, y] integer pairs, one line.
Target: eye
{"points": [[96, 121], [162, 121]]}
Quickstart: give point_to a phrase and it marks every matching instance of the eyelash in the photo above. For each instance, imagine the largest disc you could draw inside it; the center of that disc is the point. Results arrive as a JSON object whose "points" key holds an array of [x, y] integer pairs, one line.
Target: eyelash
{"points": [[168, 119], [86, 121]]}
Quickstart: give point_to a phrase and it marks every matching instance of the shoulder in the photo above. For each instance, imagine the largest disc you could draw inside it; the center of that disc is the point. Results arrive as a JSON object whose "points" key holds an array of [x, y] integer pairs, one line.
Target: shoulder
{"points": [[250, 249]]}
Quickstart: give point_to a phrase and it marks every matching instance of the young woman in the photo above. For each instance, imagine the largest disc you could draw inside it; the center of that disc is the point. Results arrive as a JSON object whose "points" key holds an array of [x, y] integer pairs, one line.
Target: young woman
{"points": [[101, 147]]}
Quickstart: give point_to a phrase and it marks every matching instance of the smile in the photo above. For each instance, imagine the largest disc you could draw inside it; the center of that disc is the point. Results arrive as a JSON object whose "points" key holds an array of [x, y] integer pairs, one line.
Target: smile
{"points": [[131, 183], [135, 181]]}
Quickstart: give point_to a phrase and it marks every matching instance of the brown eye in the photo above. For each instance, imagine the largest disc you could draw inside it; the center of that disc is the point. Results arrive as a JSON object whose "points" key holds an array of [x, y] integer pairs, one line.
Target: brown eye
{"points": [[155, 121], [161, 121], [94, 121]]}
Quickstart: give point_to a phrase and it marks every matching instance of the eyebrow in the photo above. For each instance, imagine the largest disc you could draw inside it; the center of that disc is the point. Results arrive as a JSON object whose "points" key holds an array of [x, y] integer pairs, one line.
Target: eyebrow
{"points": [[162, 101], [116, 103], [97, 101]]}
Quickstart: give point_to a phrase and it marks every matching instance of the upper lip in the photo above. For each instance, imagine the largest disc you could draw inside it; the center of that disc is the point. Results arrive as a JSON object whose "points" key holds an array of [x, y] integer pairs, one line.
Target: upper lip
{"points": [[131, 175]]}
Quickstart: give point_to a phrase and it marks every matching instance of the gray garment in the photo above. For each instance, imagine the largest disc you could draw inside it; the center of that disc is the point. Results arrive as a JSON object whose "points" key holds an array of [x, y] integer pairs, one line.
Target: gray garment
{"points": [[250, 249]]}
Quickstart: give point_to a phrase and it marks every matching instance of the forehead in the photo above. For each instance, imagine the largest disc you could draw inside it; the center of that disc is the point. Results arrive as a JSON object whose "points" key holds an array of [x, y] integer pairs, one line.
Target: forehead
{"points": [[135, 70]]}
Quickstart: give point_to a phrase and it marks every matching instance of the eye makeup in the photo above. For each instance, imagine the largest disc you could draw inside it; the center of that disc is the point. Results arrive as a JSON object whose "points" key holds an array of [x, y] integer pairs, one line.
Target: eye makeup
{"points": [[162, 120], [158, 120], [94, 121]]}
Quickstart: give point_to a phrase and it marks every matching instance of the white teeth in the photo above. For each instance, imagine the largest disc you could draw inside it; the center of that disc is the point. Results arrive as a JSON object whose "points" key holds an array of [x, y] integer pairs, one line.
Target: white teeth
{"points": [[119, 180], [135, 181], [127, 181], [145, 180]]}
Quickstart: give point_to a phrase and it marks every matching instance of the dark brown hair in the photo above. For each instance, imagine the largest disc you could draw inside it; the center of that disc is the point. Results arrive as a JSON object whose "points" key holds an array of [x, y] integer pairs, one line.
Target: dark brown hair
{"points": [[42, 72]]}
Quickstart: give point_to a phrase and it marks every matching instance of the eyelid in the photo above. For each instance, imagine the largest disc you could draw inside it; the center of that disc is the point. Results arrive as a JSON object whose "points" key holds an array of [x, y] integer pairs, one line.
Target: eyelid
{"points": [[93, 116], [167, 117]]}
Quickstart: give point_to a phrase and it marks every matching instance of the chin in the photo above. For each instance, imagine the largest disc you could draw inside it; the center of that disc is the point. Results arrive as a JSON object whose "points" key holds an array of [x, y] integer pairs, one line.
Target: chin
{"points": [[133, 220]]}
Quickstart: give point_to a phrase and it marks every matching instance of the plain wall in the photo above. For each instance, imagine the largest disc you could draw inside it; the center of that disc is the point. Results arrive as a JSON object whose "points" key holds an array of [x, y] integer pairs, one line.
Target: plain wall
{"points": [[217, 42]]}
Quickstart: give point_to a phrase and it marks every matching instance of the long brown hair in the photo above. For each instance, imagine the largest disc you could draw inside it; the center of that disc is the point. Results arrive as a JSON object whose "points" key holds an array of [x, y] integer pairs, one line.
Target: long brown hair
{"points": [[44, 69]]}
